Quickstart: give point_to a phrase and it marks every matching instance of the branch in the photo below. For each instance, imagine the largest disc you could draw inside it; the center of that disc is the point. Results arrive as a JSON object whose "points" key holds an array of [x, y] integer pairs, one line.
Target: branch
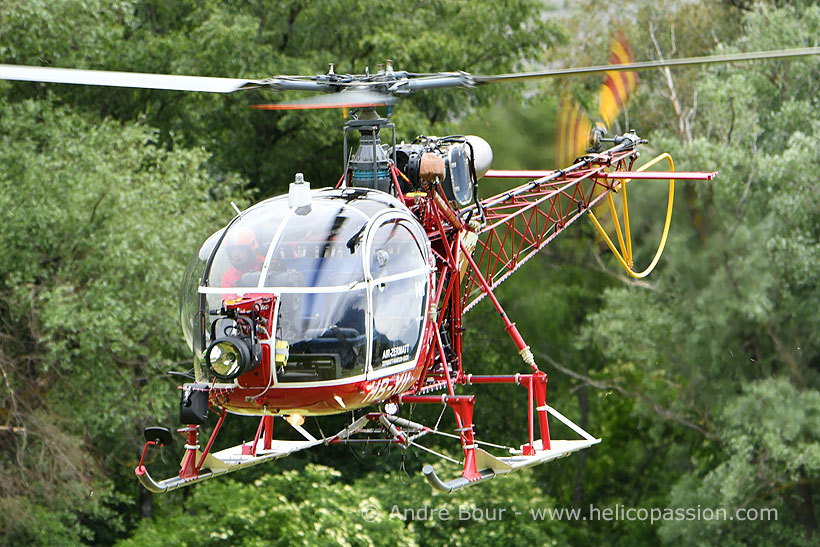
{"points": [[13, 400], [656, 407], [639, 283], [683, 131], [786, 356], [743, 197]]}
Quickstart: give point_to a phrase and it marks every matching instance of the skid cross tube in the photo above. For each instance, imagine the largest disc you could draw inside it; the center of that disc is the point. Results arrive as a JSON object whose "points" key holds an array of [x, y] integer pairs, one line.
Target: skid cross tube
{"points": [[188, 468], [536, 384]]}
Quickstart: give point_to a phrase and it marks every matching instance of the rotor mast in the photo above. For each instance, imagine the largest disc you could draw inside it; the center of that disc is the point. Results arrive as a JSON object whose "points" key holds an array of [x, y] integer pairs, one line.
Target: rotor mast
{"points": [[369, 165]]}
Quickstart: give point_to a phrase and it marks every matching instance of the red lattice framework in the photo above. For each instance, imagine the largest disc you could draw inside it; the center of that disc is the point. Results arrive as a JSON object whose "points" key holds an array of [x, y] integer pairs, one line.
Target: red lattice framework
{"points": [[520, 222]]}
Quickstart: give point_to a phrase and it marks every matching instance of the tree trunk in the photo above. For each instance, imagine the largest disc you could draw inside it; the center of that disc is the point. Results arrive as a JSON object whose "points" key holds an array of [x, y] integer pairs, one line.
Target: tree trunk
{"points": [[578, 488], [146, 500], [801, 503]]}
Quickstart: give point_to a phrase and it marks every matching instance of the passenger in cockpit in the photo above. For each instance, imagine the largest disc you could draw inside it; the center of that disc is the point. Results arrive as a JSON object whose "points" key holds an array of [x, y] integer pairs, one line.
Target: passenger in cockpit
{"points": [[243, 252]]}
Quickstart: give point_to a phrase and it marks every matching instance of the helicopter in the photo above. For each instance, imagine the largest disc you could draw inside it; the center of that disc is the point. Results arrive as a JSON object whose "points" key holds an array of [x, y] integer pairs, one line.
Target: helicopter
{"points": [[351, 296]]}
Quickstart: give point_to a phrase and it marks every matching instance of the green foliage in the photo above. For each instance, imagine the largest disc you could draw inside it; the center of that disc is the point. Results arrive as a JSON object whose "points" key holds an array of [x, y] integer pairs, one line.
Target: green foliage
{"points": [[312, 506], [736, 300], [702, 381], [98, 223], [305, 507], [262, 39], [771, 458]]}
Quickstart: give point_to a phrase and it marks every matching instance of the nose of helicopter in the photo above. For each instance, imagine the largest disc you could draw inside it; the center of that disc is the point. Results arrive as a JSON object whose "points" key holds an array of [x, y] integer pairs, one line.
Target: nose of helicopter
{"points": [[348, 270]]}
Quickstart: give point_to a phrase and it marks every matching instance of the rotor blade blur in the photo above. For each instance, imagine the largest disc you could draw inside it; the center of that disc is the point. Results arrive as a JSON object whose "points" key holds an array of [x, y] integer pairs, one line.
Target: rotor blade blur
{"points": [[643, 65], [125, 79], [617, 86], [342, 99], [572, 130]]}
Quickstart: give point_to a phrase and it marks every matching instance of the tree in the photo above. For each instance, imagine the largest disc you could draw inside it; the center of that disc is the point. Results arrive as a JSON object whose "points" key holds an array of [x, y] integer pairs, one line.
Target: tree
{"points": [[314, 506], [259, 39], [772, 458], [735, 302], [703, 380], [305, 507], [98, 223], [89, 271]]}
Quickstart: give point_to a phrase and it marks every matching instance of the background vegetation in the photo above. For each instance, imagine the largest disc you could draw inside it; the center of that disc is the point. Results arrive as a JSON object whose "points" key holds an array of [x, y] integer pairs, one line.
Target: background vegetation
{"points": [[702, 381]]}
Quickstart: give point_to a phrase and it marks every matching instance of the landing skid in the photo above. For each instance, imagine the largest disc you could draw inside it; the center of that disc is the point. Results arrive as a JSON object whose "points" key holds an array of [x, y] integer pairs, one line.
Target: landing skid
{"points": [[490, 466], [224, 461], [197, 465], [478, 464]]}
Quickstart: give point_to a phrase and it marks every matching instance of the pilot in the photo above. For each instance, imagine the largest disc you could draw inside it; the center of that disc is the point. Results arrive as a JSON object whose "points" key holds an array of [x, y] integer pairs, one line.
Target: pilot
{"points": [[243, 252]]}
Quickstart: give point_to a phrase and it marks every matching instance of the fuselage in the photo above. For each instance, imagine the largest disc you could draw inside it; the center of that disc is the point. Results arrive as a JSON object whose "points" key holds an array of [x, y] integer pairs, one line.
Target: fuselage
{"points": [[331, 295]]}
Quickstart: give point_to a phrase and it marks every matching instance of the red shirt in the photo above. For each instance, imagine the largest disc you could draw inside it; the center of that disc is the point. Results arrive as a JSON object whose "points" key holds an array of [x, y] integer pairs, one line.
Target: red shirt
{"points": [[231, 277]]}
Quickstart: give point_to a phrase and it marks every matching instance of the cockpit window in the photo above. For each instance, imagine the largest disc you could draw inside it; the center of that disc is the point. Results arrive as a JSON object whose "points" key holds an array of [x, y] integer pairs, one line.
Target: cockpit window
{"points": [[349, 273], [326, 334], [399, 296], [322, 248], [241, 253], [395, 250], [189, 301]]}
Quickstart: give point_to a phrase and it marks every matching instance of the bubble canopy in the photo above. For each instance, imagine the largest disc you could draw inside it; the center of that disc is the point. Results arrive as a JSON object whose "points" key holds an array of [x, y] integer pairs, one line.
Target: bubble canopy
{"points": [[350, 271]]}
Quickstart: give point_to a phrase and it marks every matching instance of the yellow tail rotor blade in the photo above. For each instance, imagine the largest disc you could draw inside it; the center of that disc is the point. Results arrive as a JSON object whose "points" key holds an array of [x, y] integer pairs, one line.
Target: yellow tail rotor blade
{"points": [[571, 132], [618, 86]]}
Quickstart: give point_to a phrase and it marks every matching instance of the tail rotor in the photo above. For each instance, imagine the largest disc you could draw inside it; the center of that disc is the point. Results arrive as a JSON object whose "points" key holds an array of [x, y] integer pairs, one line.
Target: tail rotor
{"points": [[575, 131]]}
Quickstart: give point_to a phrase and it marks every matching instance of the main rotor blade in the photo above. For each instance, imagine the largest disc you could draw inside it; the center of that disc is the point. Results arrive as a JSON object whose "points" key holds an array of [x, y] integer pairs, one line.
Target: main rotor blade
{"points": [[342, 99], [643, 65], [402, 84], [125, 79]]}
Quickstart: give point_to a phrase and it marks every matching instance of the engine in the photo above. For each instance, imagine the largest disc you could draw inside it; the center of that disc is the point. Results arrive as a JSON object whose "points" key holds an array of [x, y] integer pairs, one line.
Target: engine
{"points": [[466, 159]]}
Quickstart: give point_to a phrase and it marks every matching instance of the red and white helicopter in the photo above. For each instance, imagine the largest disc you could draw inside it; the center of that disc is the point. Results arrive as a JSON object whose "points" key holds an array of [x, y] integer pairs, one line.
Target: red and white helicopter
{"points": [[326, 301]]}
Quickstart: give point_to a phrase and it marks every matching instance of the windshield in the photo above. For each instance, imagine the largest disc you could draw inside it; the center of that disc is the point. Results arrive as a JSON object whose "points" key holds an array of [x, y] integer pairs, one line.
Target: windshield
{"points": [[327, 264], [318, 248]]}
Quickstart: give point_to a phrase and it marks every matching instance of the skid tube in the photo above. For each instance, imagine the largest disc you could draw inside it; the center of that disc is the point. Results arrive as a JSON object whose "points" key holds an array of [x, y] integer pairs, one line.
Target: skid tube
{"points": [[198, 466]]}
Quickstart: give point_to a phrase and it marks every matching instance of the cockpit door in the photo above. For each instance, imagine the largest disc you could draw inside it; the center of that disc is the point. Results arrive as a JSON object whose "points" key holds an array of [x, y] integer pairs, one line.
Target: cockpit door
{"points": [[398, 272]]}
